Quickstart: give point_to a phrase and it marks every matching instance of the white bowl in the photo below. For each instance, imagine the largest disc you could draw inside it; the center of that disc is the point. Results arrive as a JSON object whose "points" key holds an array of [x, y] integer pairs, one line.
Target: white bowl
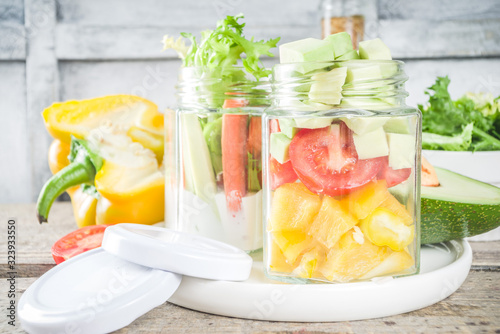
{"points": [[483, 166]]}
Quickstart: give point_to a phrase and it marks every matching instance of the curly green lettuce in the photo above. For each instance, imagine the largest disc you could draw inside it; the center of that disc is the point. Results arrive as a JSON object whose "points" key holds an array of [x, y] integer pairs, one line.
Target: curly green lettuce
{"points": [[224, 47], [471, 123]]}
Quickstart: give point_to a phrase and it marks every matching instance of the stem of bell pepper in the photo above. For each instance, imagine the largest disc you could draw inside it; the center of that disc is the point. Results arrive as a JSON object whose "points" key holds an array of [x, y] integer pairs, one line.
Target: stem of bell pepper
{"points": [[85, 163]]}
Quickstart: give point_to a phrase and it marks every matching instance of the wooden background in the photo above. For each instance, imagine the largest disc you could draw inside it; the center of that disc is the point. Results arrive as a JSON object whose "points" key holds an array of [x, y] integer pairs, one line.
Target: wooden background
{"points": [[54, 50]]}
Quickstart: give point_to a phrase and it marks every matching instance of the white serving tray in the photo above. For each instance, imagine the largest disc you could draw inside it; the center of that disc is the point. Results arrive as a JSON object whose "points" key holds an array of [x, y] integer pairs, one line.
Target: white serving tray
{"points": [[444, 268]]}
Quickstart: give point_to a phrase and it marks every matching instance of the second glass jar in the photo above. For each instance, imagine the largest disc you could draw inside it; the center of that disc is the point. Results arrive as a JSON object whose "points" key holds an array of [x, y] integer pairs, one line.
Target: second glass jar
{"points": [[341, 173]]}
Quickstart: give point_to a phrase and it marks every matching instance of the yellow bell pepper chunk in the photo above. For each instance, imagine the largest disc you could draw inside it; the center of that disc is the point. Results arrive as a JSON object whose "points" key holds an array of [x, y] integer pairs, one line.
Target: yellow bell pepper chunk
{"points": [[349, 259], [309, 263], [293, 208], [397, 263], [393, 205], [384, 228], [292, 243], [331, 222], [277, 261], [363, 201]]}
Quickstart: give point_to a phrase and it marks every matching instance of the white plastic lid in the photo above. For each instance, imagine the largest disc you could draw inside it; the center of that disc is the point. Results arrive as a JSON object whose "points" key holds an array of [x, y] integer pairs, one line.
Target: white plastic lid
{"points": [[94, 292], [177, 252]]}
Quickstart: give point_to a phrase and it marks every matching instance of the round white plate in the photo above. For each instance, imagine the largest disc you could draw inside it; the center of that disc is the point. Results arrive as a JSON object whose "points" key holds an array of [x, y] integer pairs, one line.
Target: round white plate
{"points": [[444, 268]]}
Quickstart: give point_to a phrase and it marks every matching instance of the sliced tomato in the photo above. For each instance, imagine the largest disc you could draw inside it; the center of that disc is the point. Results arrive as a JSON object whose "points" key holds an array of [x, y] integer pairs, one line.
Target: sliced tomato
{"points": [[326, 161], [234, 103], [77, 242], [392, 176], [281, 173]]}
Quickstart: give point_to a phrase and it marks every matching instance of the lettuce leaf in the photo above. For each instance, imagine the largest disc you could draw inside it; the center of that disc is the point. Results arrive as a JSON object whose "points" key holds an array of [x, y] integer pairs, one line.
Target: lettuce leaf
{"points": [[469, 123], [225, 46], [460, 142]]}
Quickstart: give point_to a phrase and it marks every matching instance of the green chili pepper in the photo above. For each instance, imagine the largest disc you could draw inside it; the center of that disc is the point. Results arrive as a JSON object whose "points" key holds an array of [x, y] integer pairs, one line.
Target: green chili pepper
{"points": [[85, 163]]}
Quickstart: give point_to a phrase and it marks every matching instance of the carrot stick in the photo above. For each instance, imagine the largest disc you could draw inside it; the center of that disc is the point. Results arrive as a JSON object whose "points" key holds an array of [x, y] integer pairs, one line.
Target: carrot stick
{"points": [[234, 103], [274, 126], [234, 158], [255, 137]]}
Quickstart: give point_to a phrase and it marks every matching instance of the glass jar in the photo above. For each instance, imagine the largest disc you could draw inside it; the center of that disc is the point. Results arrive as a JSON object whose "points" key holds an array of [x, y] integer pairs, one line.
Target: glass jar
{"points": [[342, 15], [215, 179], [341, 173]]}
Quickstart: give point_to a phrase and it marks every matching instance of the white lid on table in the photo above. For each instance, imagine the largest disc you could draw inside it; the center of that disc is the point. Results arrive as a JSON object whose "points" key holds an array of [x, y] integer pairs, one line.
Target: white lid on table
{"points": [[94, 292], [178, 252], [138, 268]]}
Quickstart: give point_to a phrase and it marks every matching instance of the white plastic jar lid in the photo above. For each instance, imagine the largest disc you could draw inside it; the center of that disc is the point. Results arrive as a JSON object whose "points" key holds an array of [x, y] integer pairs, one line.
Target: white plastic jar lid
{"points": [[138, 268], [94, 292], [177, 252]]}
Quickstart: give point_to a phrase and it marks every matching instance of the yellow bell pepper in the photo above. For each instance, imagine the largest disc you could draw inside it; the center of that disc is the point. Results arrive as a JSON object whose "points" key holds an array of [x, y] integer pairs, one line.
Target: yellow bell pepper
{"points": [[84, 206], [58, 155], [138, 117], [120, 154]]}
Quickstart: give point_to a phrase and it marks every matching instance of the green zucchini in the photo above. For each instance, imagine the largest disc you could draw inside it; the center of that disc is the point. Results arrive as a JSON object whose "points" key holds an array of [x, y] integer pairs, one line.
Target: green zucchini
{"points": [[460, 207]]}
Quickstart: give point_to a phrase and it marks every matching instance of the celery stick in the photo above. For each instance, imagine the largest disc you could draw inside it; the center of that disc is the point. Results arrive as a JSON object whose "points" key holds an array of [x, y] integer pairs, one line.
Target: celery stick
{"points": [[198, 169]]}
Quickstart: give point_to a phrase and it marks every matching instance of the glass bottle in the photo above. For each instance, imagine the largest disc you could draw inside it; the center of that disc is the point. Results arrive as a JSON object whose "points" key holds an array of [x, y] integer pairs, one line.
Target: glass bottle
{"points": [[342, 15]]}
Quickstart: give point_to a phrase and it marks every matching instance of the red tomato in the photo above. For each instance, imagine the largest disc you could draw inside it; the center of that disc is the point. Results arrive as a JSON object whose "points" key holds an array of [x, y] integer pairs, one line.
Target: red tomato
{"points": [[77, 242], [234, 103], [326, 161], [392, 176], [281, 173]]}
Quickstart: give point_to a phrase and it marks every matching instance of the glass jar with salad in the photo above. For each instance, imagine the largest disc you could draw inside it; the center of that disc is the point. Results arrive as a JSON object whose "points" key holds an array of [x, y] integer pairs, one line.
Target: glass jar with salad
{"points": [[341, 166], [215, 175]]}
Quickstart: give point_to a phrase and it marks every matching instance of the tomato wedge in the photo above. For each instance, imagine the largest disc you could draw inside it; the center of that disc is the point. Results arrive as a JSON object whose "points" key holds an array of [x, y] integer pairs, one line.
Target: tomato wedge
{"points": [[326, 161], [77, 242], [393, 177], [281, 173]]}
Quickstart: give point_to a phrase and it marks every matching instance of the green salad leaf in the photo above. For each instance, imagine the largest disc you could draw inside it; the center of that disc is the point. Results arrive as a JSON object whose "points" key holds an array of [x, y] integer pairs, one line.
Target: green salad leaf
{"points": [[471, 123], [224, 46], [460, 142]]}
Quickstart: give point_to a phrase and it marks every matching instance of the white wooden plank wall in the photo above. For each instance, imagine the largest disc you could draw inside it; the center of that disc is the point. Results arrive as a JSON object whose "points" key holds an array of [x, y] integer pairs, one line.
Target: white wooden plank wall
{"points": [[67, 49]]}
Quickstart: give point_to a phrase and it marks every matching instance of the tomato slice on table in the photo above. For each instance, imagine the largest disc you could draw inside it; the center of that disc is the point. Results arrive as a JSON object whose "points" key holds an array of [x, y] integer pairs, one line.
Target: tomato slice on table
{"points": [[326, 161], [281, 173], [77, 242], [393, 177]]}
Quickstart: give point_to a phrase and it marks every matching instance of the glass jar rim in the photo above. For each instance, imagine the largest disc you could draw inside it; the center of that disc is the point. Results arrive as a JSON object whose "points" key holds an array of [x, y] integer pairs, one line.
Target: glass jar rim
{"points": [[207, 70], [338, 82], [327, 63]]}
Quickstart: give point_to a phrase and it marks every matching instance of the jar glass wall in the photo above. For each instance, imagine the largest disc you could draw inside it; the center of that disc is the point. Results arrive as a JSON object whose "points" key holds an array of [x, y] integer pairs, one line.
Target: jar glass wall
{"points": [[341, 173], [215, 188]]}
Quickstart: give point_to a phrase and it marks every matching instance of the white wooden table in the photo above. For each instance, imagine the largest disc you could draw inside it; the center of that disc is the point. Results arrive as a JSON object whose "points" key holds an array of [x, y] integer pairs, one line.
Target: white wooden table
{"points": [[475, 307]]}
